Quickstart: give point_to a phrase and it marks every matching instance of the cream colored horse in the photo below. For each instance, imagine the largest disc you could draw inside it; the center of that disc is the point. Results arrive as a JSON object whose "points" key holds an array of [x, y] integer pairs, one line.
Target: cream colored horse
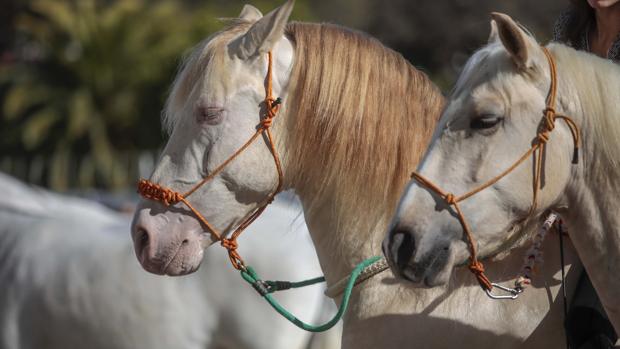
{"points": [[490, 121], [354, 115]]}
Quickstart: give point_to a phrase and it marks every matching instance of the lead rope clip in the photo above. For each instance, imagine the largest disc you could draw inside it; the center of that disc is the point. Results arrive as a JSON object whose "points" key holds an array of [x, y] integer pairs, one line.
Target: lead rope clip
{"points": [[513, 293]]}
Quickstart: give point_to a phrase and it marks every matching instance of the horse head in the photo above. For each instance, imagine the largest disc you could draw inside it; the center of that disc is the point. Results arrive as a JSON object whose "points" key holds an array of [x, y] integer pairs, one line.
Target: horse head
{"points": [[494, 117], [217, 103]]}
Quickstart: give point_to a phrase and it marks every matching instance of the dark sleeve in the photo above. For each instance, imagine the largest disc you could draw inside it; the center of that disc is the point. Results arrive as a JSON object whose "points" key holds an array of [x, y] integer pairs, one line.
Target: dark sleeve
{"points": [[614, 51], [560, 27]]}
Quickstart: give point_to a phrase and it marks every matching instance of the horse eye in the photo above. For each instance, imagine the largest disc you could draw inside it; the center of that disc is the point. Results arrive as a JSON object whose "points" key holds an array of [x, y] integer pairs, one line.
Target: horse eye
{"points": [[485, 121], [209, 115]]}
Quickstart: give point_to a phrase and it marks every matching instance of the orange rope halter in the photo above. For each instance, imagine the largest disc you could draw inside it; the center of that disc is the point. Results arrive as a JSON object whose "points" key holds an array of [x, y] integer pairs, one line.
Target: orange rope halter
{"points": [[152, 191], [537, 150]]}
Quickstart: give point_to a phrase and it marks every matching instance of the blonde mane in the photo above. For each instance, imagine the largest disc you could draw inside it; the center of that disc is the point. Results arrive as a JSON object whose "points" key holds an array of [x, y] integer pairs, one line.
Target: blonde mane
{"points": [[360, 117], [596, 83]]}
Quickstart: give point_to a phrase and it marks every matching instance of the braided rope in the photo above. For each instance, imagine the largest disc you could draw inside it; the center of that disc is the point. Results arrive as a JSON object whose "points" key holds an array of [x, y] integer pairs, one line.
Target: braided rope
{"points": [[264, 289], [534, 254], [368, 272]]}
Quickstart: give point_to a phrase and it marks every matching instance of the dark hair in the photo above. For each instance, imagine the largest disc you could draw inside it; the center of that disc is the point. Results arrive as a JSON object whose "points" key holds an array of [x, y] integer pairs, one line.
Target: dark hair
{"points": [[583, 14]]}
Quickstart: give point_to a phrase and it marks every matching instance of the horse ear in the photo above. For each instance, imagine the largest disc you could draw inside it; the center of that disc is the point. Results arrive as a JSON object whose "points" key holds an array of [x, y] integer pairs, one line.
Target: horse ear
{"points": [[494, 35], [263, 35], [250, 13], [519, 44]]}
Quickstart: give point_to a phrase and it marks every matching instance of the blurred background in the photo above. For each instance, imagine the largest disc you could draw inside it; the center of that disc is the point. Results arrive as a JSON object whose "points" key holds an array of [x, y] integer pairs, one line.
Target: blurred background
{"points": [[82, 82]]}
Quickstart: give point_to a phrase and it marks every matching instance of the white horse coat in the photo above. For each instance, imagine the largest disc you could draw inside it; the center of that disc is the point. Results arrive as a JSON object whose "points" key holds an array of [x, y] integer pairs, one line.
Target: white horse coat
{"points": [[70, 279]]}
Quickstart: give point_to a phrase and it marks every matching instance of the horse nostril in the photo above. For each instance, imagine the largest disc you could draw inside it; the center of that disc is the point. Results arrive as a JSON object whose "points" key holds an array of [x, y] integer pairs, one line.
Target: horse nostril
{"points": [[185, 242], [142, 240], [403, 247]]}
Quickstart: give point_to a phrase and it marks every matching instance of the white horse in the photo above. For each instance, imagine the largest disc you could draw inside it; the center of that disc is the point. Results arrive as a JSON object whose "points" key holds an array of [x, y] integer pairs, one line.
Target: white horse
{"points": [[494, 116], [69, 279], [354, 119]]}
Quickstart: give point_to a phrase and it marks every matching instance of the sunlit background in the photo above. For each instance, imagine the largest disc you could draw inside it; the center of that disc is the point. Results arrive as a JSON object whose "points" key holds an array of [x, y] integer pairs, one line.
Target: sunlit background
{"points": [[82, 82]]}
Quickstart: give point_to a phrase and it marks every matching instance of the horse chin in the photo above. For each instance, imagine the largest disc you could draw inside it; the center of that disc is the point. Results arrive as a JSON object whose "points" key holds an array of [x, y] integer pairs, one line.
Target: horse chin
{"points": [[433, 270], [184, 262]]}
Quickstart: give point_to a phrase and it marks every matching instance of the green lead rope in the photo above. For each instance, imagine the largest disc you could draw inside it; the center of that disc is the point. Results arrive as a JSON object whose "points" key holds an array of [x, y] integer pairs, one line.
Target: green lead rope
{"points": [[266, 288]]}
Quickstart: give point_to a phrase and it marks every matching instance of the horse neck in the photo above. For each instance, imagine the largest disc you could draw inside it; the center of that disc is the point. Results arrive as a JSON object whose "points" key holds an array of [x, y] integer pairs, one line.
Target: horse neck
{"points": [[589, 100], [341, 239], [349, 161], [591, 194], [593, 221]]}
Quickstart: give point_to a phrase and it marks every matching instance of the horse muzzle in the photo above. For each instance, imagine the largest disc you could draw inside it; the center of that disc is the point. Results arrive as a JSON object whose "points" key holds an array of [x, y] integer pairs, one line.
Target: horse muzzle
{"points": [[167, 245], [424, 263]]}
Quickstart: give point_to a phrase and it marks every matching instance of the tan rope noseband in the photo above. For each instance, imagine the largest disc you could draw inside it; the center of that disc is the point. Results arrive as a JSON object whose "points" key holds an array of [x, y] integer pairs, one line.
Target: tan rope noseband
{"points": [[168, 197], [537, 150]]}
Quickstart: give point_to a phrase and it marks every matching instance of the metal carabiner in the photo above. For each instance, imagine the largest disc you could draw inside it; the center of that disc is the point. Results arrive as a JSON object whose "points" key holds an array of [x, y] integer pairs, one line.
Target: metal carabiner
{"points": [[513, 292]]}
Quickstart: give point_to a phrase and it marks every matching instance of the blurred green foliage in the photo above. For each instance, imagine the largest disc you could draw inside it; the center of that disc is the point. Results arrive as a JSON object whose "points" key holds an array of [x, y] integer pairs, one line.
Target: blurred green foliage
{"points": [[82, 82], [83, 89]]}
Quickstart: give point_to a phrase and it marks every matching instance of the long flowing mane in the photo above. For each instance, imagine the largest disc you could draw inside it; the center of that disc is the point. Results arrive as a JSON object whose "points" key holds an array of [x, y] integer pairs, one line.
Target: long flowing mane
{"points": [[360, 117], [596, 84]]}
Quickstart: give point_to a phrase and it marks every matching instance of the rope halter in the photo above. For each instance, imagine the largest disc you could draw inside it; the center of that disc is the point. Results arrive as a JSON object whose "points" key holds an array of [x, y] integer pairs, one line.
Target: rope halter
{"points": [[168, 197], [538, 148]]}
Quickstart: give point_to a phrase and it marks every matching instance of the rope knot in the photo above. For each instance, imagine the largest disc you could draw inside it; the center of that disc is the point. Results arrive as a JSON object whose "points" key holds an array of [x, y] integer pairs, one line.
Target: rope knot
{"points": [[229, 244], [549, 119], [543, 137], [549, 110], [450, 199], [272, 106], [477, 269], [271, 110], [266, 122], [235, 259], [156, 192]]}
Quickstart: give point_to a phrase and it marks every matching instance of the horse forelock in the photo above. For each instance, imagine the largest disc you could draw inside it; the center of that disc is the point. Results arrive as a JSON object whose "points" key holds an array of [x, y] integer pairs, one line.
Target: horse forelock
{"points": [[360, 117], [201, 61], [471, 67], [490, 59]]}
